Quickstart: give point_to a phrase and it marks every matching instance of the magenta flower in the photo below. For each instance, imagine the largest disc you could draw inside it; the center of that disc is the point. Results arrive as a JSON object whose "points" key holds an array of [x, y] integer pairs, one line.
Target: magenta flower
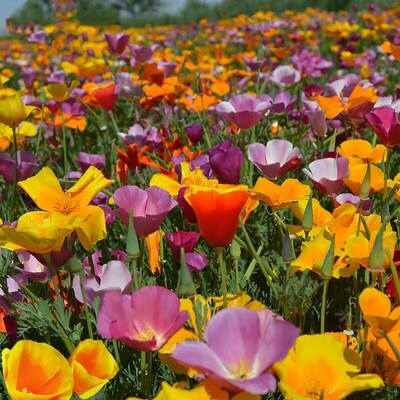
{"points": [[274, 159], [85, 160], [386, 125], [282, 103], [194, 132], [327, 174], [111, 277], [244, 110], [149, 207], [117, 43], [144, 320], [142, 54], [187, 241], [241, 347], [27, 163], [318, 122]]}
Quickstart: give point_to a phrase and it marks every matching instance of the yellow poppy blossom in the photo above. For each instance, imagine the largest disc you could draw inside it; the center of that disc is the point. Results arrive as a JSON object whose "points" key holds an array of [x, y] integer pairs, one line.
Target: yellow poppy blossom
{"points": [[319, 366], [92, 367], [45, 190], [39, 232], [36, 371], [13, 110]]}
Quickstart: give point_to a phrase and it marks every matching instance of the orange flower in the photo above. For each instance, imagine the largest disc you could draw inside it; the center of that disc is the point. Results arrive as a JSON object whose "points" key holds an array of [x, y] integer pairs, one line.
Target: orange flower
{"points": [[277, 196], [333, 106], [104, 94], [36, 371], [217, 211], [390, 48], [92, 366], [359, 148]]}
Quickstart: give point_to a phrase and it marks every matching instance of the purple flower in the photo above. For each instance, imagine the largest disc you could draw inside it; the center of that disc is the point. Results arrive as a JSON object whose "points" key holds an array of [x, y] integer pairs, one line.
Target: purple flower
{"points": [[283, 102], [385, 124], [113, 276], [274, 159], [285, 75], [85, 160], [194, 132], [117, 43], [141, 136], [29, 75], [186, 240], [144, 320], [327, 174], [149, 207], [27, 163], [244, 110], [142, 54], [225, 161], [241, 347], [352, 199], [310, 64], [318, 122], [39, 36]]}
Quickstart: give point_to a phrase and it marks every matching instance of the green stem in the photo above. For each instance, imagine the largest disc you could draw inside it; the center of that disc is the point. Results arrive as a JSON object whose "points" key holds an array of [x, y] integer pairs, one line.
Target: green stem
{"points": [[146, 361], [323, 305], [14, 191], [64, 140], [85, 308], [222, 269], [266, 270]]}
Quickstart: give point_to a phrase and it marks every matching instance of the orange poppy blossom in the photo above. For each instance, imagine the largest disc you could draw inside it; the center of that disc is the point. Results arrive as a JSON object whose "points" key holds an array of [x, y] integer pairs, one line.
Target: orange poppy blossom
{"points": [[382, 320], [392, 49], [279, 196], [59, 119], [333, 106], [362, 149], [45, 190], [217, 210], [104, 94], [36, 371]]}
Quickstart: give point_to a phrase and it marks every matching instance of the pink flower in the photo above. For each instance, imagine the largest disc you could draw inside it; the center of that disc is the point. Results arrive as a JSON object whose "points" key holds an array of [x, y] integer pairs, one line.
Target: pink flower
{"points": [[244, 110], [327, 174], [144, 320], [285, 75], [241, 347], [274, 159], [386, 125], [149, 207]]}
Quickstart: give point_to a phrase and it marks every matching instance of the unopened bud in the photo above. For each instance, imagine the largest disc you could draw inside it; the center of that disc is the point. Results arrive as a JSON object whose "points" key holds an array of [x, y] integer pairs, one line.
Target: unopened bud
{"points": [[235, 250], [308, 215], [132, 243], [327, 266], [365, 187], [186, 286], [376, 258], [74, 265]]}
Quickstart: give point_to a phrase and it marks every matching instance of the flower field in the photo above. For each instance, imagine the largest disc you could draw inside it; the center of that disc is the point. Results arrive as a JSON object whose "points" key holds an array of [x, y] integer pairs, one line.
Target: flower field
{"points": [[206, 212]]}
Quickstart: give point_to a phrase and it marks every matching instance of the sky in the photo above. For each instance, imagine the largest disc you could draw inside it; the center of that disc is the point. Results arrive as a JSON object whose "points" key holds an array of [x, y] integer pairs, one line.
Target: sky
{"points": [[7, 7]]}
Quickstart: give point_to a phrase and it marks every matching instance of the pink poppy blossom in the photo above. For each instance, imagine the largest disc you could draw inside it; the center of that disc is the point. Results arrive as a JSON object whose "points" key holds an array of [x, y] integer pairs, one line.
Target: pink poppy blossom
{"points": [[144, 320], [85, 160], [285, 75], [241, 347], [275, 159], [327, 174], [149, 207], [283, 102], [385, 124], [33, 268], [244, 110], [113, 276]]}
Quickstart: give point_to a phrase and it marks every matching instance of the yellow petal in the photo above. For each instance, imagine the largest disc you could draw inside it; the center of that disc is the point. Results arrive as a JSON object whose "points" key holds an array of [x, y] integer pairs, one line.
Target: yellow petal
{"points": [[166, 183]]}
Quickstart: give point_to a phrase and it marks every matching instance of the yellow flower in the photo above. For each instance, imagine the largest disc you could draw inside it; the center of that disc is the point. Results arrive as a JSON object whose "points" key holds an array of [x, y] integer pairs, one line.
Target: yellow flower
{"points": [[319, 366], [39, 232], [13, 110], [92, 366], [45, 190], [36, 371], [60, 91]]}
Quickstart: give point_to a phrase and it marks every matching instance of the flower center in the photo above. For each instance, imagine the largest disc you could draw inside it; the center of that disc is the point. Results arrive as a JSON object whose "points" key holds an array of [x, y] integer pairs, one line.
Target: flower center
{"points": [[65, 204], [241, 371]]}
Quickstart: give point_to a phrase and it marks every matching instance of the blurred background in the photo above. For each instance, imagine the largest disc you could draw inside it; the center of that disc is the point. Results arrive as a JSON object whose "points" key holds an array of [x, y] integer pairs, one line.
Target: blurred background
{"points": [[156, 12]]}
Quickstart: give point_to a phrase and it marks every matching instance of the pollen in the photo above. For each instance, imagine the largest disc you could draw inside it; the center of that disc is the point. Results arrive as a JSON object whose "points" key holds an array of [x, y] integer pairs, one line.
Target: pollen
{"points": [[65, 204]]}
